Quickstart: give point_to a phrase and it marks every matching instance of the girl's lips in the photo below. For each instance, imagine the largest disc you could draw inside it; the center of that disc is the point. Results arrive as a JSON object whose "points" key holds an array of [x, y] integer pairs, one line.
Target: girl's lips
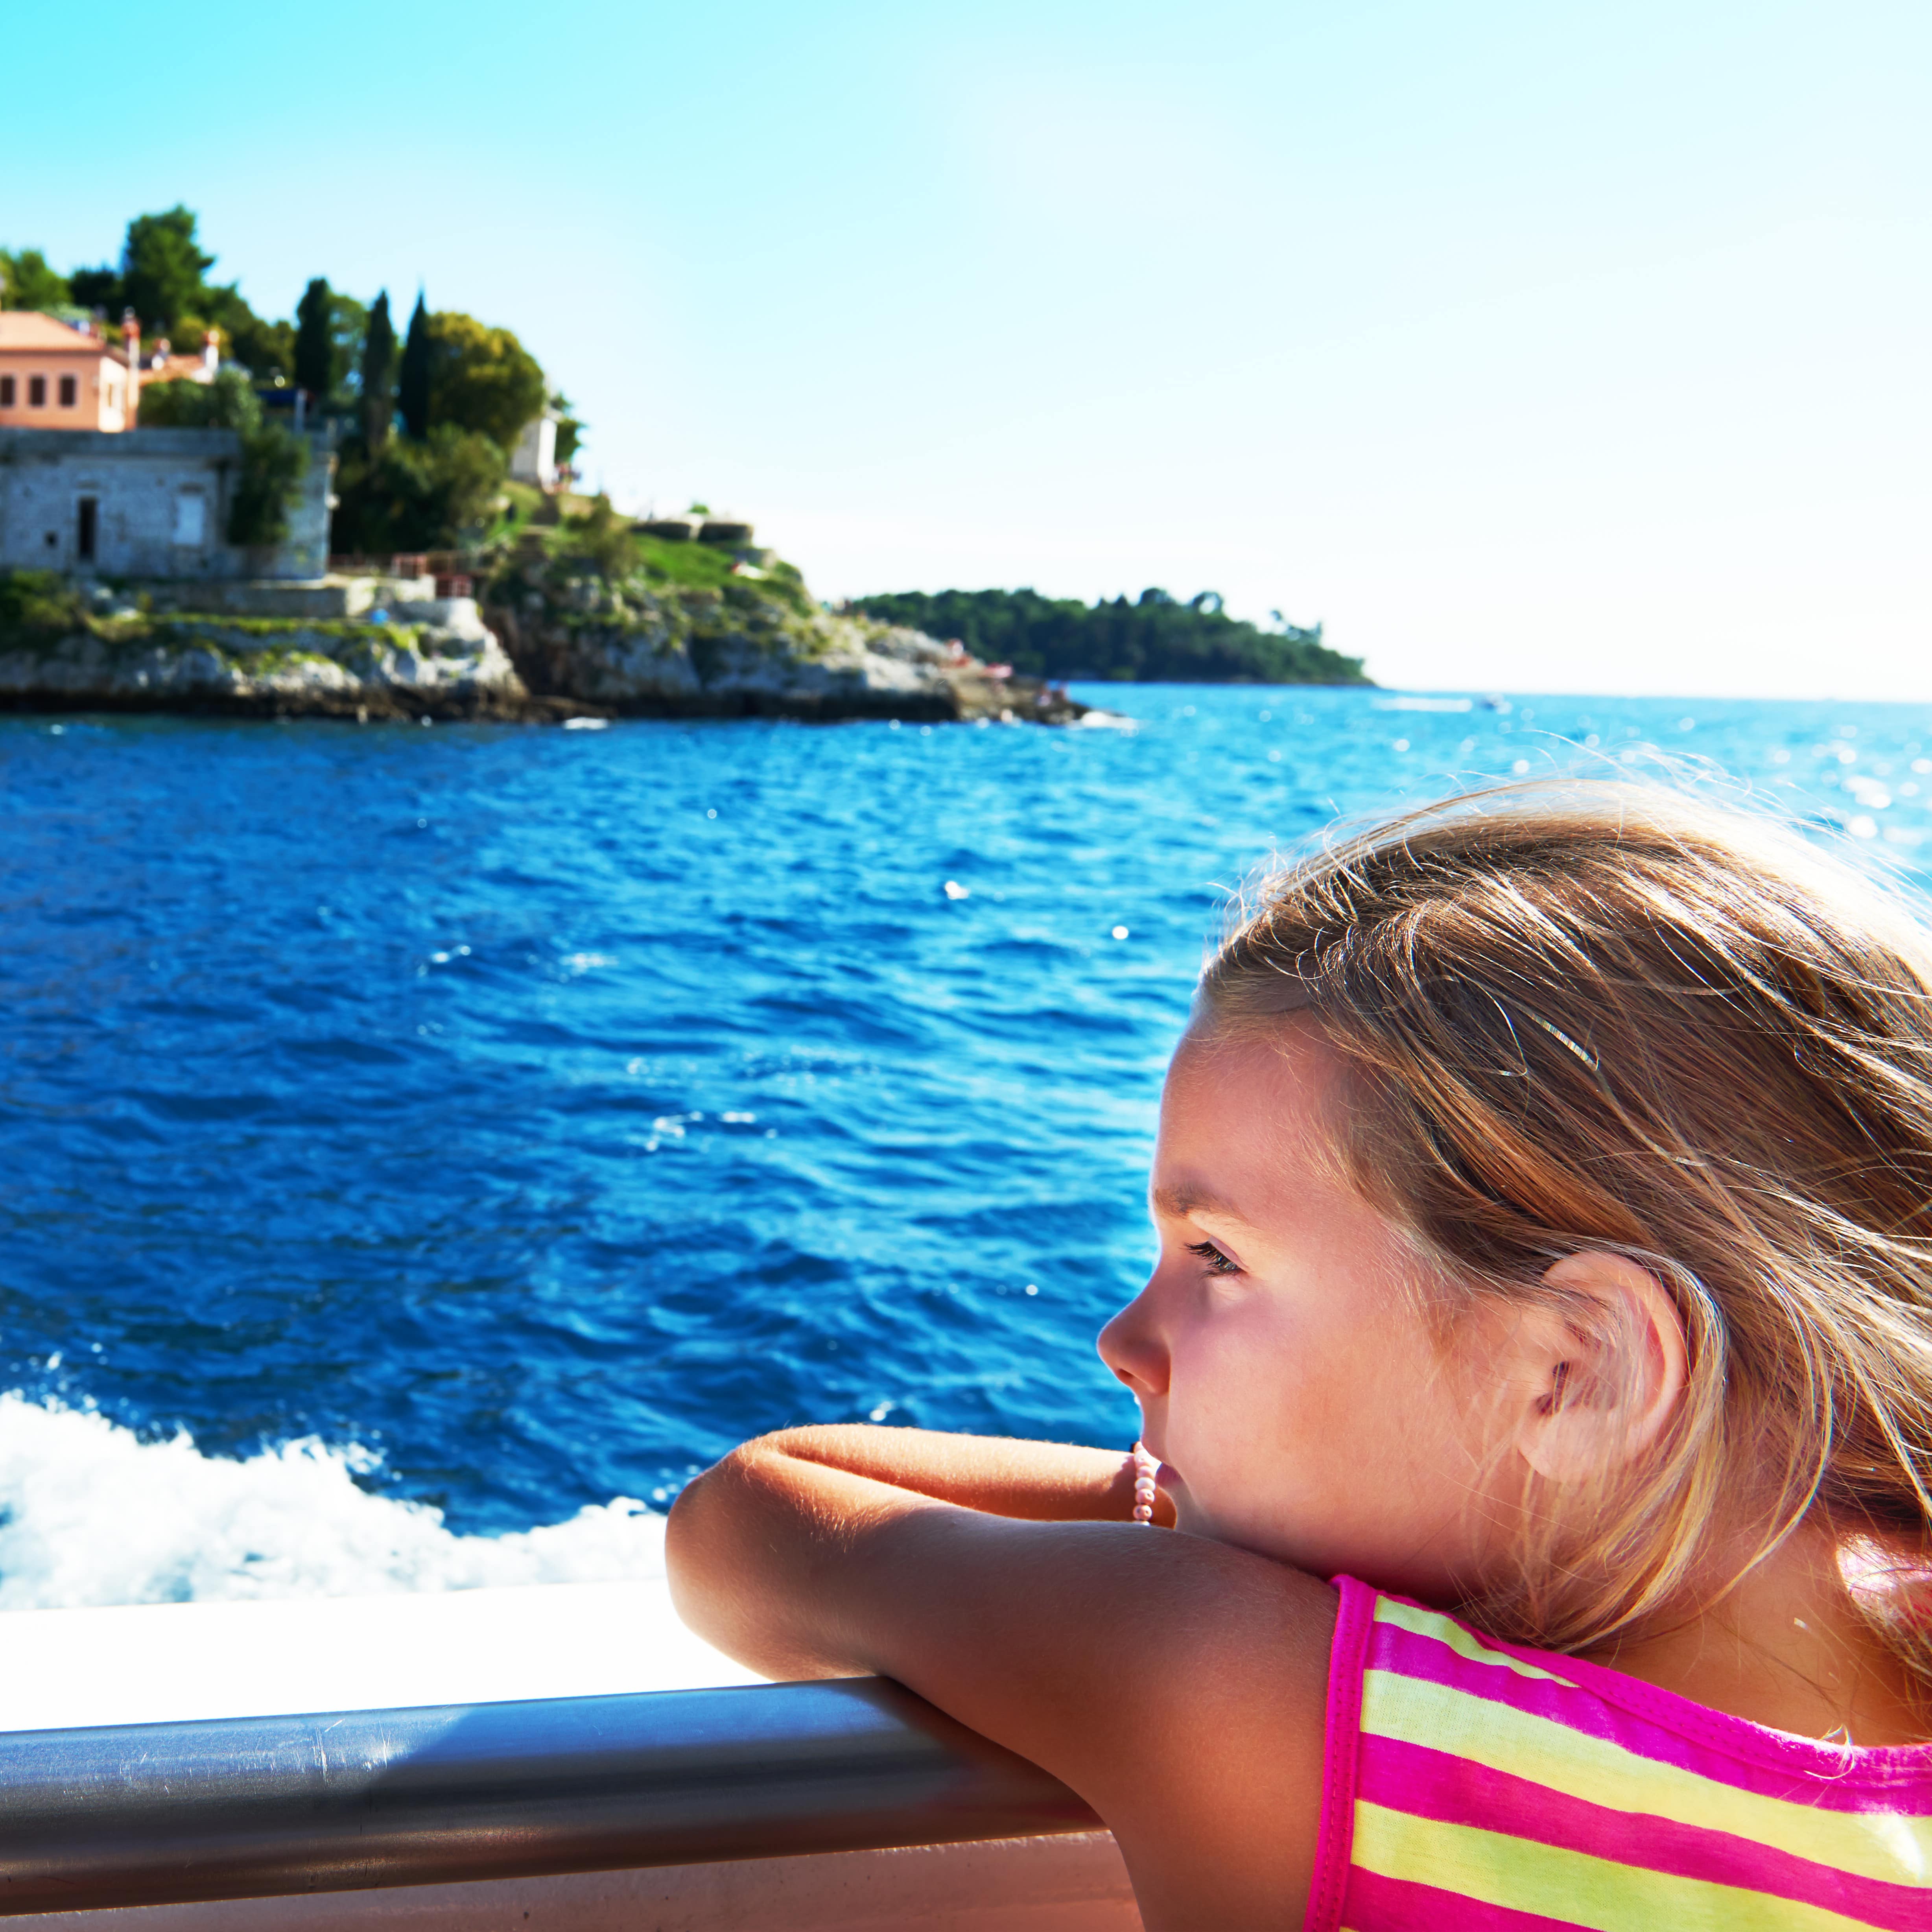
{"points": [[1168, 1476]]}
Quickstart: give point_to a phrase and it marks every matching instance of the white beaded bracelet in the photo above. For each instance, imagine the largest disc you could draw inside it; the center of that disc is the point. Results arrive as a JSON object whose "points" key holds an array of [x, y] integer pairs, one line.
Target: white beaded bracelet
{"points": [[1145, 1470]]}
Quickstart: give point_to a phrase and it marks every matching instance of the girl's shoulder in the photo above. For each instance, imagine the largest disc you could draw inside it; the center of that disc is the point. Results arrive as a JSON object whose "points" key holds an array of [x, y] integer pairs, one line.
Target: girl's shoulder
{"points": [[1462, 1772]]}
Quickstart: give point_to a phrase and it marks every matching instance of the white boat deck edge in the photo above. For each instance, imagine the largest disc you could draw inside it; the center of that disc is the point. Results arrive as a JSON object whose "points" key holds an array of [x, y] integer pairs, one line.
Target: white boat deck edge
{"points": [[155, 1663]]}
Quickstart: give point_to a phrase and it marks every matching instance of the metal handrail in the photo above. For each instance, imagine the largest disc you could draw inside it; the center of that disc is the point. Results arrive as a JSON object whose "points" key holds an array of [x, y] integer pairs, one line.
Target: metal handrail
{"points": [[247, 1807]]}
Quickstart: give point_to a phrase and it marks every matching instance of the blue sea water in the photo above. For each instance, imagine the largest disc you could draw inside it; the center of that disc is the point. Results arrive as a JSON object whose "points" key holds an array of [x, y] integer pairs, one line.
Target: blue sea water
{"points": [[521, 1117]]}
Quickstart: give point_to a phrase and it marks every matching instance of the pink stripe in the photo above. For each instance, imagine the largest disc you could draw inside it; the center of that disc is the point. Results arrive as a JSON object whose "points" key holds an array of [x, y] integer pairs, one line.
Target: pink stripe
{"points": [[1334, 1838], [1812, 1774], [1456, 1791], [1403, 1905]]}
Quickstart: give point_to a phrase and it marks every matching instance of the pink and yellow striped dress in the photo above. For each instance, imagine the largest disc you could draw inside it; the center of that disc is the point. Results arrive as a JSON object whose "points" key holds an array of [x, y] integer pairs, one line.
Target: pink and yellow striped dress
{"points": [[1480, 1787]]}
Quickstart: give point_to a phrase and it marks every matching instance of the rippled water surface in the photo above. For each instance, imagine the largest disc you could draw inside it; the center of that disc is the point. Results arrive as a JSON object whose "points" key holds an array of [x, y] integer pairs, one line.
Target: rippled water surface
{"points": [[527, 1115]]}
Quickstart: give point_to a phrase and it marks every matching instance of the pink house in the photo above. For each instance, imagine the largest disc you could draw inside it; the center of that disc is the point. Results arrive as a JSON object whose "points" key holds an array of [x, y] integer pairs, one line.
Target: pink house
{"points": [[54, 376]]}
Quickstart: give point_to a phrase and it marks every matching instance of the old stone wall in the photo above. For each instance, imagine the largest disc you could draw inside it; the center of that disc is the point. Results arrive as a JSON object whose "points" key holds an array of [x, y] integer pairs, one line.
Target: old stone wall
{"points": [[149, 503]]}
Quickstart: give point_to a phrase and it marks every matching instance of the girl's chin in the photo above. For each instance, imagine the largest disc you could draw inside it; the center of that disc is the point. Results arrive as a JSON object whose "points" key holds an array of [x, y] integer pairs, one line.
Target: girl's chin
{"points": [[1188, 1514], [1191, 1515]]}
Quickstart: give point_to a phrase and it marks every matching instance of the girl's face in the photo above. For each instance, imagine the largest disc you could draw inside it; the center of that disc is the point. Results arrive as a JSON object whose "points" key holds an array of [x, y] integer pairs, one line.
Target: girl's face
{"points": [[1285, 1373]]}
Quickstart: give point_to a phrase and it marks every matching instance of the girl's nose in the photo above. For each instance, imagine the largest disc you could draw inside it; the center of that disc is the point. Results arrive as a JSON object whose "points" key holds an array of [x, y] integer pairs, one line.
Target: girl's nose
{"points": [[1131, 1346]]}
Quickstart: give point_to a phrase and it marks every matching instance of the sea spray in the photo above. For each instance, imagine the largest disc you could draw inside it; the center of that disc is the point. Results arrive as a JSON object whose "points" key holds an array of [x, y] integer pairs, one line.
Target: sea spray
{"points": [[93, 1515]]}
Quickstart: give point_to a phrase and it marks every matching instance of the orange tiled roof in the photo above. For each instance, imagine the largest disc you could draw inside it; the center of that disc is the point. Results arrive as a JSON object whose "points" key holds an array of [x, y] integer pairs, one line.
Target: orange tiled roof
{"points": [[26, 329], [176, 369]]}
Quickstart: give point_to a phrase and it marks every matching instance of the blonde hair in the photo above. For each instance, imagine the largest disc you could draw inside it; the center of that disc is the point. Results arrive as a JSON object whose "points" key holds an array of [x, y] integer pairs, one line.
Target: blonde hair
{"points": [[1596, 1015]]}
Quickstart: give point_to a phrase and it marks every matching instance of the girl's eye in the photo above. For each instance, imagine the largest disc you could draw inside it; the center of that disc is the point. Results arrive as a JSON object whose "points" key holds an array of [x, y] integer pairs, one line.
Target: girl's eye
{"points": [[1217, 1262]]}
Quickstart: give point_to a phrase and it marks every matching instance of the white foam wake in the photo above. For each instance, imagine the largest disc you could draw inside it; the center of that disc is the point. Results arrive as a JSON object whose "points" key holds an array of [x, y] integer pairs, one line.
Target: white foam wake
{"points": [[93, 1515]]}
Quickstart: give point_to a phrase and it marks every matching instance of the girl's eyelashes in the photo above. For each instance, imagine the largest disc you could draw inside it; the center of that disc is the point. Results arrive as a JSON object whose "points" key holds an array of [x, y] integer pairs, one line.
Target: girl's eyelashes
{"points": [[1217, 1262]]}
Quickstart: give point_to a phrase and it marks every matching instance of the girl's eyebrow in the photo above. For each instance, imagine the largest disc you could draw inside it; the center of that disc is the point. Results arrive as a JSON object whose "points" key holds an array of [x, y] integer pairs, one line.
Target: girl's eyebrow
{"points": [[1178, 1203]]}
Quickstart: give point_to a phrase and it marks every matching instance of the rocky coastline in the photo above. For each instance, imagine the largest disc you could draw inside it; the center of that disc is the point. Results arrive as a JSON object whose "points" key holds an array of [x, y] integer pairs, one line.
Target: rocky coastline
{"points": [[551, 637]]}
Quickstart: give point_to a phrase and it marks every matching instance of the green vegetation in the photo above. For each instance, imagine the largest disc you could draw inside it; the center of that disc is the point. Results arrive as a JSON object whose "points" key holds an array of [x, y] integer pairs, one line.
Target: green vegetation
{"points": [[439, 494], [1154, 639], [163, 277], [464, 391], [315, 346], [379, 376], [569, 431], [38, 602], [481, 379], [273, 458], [41, 610], [413, 385], [27, 282], [163, 272], [599, 543]]}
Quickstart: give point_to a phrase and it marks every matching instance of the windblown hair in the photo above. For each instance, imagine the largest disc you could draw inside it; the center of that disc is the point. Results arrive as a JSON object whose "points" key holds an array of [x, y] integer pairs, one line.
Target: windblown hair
{"points": [[1593, 1015]]}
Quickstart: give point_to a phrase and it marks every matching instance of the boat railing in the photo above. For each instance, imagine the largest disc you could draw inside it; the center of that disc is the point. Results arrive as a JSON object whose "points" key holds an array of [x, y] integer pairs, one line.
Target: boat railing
{"points": [[262, 1807]]}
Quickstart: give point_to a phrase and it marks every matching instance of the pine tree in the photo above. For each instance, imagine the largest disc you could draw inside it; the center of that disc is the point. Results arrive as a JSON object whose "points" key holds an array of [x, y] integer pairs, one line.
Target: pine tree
{"points": [[379, 376], [315, 349], [163, 270], [412, 388]]}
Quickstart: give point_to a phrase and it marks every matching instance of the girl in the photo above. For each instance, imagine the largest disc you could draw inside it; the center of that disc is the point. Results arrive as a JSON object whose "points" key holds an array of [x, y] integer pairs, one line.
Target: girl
{"points": [[1539, 1363]]}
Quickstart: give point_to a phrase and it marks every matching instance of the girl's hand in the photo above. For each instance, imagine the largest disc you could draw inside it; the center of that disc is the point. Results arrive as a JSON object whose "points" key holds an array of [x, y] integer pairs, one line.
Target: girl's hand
{"points": [[1178, 1685]]}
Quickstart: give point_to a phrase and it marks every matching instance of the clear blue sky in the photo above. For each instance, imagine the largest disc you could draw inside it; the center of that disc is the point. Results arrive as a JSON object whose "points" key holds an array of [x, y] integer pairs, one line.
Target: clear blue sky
{"points": [[1529, 347]]}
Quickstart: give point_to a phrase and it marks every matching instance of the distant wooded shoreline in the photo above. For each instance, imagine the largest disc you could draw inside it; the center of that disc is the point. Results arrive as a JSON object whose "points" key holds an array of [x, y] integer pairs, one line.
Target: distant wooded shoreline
{"points": [[1153, 639]]}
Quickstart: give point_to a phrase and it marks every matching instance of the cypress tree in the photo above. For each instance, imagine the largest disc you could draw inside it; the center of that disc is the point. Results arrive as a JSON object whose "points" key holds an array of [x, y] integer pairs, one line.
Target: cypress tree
{"points": [[379, 376], [315, 349], [412, 389]]}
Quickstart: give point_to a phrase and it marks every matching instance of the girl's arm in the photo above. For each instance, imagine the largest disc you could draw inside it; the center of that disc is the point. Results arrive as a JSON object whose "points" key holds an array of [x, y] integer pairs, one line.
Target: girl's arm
{"points": [[1178, 1684], [1035, 1482]]}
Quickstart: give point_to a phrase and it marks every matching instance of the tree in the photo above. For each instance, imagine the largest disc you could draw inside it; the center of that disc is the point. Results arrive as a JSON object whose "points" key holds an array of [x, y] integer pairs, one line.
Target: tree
{"points": [[348, 330], [481, 379], [1154, 638], [27, 282], [413, 384], [603, 539], [435, 492], [164, 277], [315, 346], [163, 270], [97, 288], [266, 350], [228, 402], [379, 376], [569, 430], [273, 460]]}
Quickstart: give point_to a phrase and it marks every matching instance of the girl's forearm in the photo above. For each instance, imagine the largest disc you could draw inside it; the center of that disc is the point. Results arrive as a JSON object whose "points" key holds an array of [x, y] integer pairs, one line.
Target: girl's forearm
{"points": [[1035, 1482], [772, 1553]]}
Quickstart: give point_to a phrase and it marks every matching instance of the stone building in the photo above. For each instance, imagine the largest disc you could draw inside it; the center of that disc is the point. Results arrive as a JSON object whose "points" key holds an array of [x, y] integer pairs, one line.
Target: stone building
{"points": [[153, 504]]}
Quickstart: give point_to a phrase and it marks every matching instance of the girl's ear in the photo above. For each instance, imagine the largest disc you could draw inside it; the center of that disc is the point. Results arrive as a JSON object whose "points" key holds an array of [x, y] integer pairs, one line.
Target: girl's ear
{"points": [[1600, 1373]]}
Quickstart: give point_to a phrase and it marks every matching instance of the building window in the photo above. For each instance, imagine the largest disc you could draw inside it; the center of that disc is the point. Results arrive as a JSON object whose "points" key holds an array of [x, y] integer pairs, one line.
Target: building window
{"points": [[88, 527], [70, 392], [37, 392], [190, 519], [8, 392]]}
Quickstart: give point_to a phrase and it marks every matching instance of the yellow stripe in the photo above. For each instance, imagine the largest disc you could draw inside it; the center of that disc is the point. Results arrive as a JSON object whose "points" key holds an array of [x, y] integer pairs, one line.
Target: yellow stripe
{"points": [[1877, 1845], [1466, 1643], [1572, 1887]]}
